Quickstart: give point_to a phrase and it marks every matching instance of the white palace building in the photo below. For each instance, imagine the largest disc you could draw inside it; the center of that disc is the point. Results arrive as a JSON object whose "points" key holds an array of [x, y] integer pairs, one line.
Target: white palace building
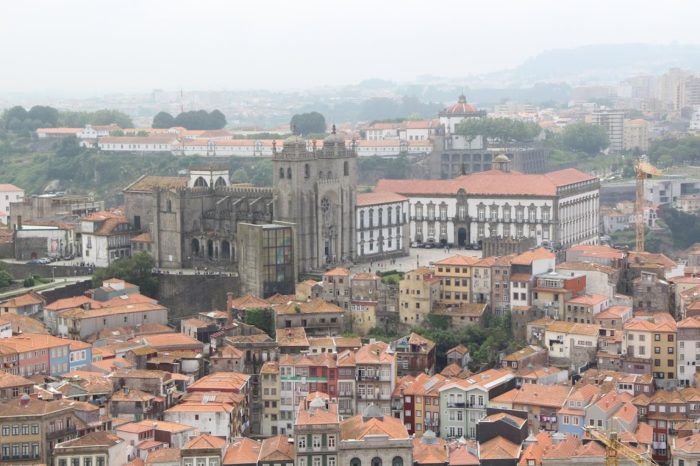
{"points": [[560, 208]]}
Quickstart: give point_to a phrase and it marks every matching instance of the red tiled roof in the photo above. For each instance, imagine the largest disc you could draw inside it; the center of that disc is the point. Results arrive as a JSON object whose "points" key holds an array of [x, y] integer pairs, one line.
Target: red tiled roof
{"points": [[499, 448], [527, 257], [205, 441], [588, 300], [462, 107], [457, 259], [366, 199], [490, 182], [242, 451]]}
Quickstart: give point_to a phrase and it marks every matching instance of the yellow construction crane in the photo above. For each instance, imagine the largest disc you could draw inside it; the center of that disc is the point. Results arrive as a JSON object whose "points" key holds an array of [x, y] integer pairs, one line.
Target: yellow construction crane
{"points": [[642, 171], [614, 449]]}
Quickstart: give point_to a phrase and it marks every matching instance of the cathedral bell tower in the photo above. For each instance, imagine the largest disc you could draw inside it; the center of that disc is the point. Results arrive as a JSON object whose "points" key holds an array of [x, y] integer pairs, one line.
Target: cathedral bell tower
{"points": [[315, 188]]}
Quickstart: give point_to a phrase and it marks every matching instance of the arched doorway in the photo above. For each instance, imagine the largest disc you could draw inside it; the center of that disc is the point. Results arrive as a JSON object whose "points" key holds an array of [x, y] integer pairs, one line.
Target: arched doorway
{"points": [[225, 250], [462, 237], [210, 249], [220, 182], [195, 247], [200, 182]]}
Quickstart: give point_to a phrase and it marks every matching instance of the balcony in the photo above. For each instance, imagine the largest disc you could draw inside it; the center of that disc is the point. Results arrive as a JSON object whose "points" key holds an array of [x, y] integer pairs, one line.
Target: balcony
{"points": [[67, 432], [464, 405]]}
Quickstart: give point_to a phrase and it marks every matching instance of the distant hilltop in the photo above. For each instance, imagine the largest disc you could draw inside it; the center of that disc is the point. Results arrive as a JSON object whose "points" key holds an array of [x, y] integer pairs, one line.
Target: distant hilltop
{"points": [[603, 64]]}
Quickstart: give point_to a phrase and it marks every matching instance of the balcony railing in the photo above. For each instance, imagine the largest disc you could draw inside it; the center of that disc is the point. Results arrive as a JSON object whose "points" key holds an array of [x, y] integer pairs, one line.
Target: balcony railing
{"points": [[62, 433]]}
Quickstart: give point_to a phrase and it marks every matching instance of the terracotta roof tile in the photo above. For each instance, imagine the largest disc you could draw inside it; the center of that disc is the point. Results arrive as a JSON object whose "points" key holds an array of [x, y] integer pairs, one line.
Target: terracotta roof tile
{"points": [[277, 449], [249, 302], [357, 428], [242, 451], [499, 448], [317, 416], [527, 257], [535, 451], [163, 455], [219, 381], [374, 353], [366, 199], [489, 183], [457, 259], [591, 250], [432, 453], [588, 300], [314, 306], [553, 396], [204, 441], [91, 439], [338, 272]]}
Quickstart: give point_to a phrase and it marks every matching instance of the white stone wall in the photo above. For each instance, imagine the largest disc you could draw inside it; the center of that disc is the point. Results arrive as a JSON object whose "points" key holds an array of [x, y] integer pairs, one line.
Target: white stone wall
{"points": [[424, 226], [387, 236], [579, 218], [217, 424]]}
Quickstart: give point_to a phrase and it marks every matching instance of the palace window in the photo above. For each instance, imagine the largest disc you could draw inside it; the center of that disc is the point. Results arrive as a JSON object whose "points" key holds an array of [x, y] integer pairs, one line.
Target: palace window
{"points": [[419, 211]]}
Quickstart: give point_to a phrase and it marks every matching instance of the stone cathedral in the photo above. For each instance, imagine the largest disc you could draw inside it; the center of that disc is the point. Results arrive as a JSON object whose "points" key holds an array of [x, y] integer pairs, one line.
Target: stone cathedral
{"points": [[193, 221], [315, 188]]}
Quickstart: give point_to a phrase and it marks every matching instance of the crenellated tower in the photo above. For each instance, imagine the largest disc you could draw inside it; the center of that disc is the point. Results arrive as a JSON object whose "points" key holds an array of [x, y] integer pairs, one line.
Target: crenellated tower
{"points": [[315, 188]]}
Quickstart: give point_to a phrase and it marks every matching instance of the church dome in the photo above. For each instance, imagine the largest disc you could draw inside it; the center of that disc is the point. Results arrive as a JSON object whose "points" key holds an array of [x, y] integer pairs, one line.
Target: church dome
{"points": [[294, 140], [462, 107], [334, 138]]}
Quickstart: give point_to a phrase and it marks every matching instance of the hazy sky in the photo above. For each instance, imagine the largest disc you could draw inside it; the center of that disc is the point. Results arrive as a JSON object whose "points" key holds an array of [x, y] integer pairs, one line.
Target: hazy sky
{"points": [[93, 46]]}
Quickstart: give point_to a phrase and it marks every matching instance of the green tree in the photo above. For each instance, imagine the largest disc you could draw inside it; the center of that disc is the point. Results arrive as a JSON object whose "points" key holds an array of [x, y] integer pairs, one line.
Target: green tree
{"points": [[585, 137], [163, 120], [5, 279], [137, 269], [16, 113], [264, 319], [68, 147], [48, 116], [217, 120], [108, 117], [499, 129], [308, 123], [201, 120]]}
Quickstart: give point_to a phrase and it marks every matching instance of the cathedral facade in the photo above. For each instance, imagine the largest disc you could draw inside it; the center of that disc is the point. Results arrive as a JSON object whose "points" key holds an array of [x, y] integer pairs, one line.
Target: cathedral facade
{"points": [[315, 188], [193, 221]]}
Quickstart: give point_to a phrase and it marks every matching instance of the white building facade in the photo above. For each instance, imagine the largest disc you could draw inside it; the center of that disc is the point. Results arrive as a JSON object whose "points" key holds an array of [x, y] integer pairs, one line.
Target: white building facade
{"points": [[559, 208], [8, 193], [382, 225]]}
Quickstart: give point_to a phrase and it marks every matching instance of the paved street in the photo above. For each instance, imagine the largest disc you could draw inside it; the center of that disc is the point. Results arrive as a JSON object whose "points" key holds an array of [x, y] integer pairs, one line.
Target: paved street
{"points": [[417, 257]]}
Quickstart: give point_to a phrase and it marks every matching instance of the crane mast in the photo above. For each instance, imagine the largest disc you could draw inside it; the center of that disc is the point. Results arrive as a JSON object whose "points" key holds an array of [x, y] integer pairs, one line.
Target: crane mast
{"points": [[614, 449]]}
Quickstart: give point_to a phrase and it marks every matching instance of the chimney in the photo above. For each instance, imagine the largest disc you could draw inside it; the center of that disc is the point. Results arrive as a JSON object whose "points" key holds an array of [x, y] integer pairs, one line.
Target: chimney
{"points": [[229, 306]]}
